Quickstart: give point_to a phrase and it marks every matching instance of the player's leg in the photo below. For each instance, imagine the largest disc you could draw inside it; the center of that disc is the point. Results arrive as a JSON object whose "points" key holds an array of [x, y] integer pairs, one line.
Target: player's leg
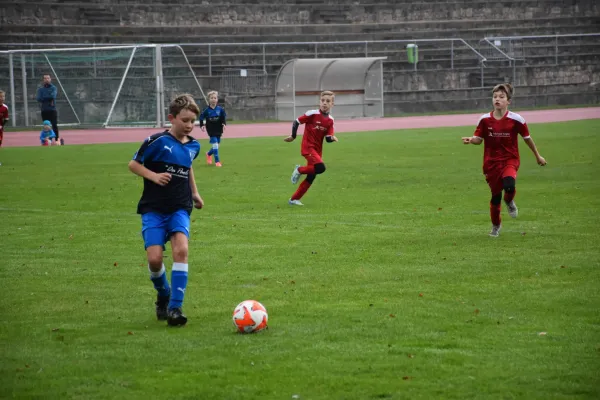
{"points": [[216, 151], [509, 180], [154, 233], [313, 159], [178, 228], [1, 137], [302, 189], [494, 181], [209, 153], [309, 169]]}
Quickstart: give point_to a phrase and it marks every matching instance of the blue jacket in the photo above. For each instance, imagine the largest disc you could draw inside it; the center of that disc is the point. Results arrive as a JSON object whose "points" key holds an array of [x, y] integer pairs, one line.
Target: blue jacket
{"points": [[46, 96], [47, 135]]}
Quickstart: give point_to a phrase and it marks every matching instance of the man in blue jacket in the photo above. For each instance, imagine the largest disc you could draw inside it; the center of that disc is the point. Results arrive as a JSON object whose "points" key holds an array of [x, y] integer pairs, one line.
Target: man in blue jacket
{"points": [[46, 96]]}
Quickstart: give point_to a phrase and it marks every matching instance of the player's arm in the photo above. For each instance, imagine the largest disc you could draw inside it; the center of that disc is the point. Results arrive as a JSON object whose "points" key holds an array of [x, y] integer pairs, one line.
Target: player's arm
{"points": [[201, 119], [330, 138], [531, 144], [39, 95], [160, 179], [477, 136], [137, 166], [197, 199], [301, 120], [223, 119], [472, 140]]}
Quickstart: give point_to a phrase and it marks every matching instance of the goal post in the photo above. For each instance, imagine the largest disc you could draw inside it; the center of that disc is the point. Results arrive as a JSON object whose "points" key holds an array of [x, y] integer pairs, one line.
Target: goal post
{"points": [[108, 86]]}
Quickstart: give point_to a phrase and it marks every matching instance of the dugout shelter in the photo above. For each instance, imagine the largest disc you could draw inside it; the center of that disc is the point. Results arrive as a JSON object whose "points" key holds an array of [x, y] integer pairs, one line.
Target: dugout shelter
{"points": [[356, 82]]}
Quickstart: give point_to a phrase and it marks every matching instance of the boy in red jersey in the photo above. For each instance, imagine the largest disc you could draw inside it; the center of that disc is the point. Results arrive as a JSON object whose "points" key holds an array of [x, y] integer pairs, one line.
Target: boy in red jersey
{"points": [[319, 126], [499, 130], [3, 116]]}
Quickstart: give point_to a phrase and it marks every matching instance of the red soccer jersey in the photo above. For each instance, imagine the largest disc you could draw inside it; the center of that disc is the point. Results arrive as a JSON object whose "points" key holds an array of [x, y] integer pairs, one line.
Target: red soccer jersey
{"points": [[3, 116], [500, 137], [318, 126]]}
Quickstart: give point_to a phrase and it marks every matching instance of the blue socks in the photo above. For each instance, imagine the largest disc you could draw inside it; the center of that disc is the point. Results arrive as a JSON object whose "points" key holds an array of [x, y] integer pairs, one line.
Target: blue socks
{"points": [[179, 278], [214, 151], [161, 284]]}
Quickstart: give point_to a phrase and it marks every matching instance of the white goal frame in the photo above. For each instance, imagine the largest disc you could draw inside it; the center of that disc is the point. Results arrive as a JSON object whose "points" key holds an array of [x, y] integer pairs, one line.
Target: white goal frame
{"points": [[20, 57]]}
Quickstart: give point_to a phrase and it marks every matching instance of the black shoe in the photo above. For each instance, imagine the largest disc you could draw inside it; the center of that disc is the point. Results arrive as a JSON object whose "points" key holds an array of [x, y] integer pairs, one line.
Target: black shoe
{"points": [[176, 317], [162, 302]]}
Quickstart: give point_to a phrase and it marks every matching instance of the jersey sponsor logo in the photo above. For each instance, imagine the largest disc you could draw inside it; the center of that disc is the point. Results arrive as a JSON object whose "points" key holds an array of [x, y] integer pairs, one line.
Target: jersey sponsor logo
{"points": [[180, 172], [499, 134]]}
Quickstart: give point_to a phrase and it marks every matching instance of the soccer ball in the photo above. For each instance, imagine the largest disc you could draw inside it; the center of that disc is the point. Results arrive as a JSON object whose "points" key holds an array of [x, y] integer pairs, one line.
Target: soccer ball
{"points": [[250, 316]]}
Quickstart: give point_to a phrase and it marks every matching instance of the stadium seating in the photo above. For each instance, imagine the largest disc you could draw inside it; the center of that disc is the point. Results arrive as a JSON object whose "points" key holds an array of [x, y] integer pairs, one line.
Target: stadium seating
{"points": [[450, 75]]}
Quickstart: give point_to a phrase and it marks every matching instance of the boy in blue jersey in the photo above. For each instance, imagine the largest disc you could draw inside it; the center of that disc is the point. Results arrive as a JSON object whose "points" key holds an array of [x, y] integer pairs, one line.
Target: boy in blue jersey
{"points": [[165, 162], [215, 126]]}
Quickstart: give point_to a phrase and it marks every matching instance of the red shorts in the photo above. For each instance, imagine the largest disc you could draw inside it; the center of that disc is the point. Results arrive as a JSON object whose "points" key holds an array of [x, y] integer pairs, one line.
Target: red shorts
{"points": [[312, 157], [496, 173]]}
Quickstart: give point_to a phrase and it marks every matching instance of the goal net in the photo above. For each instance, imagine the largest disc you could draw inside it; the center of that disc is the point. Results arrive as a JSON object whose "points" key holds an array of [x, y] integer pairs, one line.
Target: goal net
{"points": [[113, 86]]}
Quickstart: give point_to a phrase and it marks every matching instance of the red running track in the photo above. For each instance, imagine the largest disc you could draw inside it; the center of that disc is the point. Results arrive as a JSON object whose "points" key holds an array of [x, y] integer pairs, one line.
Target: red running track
{"points": [[128, 135]]}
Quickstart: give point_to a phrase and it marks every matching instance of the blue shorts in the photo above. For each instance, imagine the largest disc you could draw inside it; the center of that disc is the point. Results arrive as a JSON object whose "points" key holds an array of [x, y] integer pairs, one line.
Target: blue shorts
{"points": [[157, 228], [215, 139]]}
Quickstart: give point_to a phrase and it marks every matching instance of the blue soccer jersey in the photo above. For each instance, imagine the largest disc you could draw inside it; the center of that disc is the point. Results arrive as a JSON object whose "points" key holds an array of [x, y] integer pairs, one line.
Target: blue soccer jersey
{"points": [[160, 153], [215, 119]]}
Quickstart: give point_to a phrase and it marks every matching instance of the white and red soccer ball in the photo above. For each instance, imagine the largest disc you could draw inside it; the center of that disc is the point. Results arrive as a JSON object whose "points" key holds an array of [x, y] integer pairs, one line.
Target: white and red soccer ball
{"points": [[250, 316]]}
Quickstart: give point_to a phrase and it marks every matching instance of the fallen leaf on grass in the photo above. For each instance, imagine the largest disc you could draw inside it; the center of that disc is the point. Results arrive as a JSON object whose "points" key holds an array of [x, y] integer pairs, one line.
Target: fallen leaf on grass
{"points": [[130, 333], [542, 334], [406, 378], [392, 316]]}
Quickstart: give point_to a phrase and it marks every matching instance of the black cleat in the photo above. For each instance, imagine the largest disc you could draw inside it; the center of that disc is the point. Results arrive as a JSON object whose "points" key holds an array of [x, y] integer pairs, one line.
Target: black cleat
{"points": [[176, 317], [162, 302]]}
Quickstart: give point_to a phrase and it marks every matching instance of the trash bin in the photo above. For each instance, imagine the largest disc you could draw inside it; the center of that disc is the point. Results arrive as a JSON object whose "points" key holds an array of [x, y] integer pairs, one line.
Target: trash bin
{"points": [[412, 52]]}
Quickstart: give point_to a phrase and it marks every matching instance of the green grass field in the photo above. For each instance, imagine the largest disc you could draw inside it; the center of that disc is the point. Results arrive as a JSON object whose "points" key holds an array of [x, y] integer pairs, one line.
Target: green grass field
{"points": [[384, 286]]}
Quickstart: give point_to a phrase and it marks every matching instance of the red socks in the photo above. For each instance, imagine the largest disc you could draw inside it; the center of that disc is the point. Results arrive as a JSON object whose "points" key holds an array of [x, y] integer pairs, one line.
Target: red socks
{"points": [[304, 186]]}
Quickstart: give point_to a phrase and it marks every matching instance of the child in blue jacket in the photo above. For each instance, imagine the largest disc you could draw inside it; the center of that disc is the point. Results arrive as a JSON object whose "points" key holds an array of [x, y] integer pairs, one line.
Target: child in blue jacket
{"points": [[47, 136]]}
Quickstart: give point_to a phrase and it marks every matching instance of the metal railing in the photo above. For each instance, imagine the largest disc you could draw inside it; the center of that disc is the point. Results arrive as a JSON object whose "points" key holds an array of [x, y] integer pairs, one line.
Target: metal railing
{"points": [[521, 48], [212, 52], [366, 46]]}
